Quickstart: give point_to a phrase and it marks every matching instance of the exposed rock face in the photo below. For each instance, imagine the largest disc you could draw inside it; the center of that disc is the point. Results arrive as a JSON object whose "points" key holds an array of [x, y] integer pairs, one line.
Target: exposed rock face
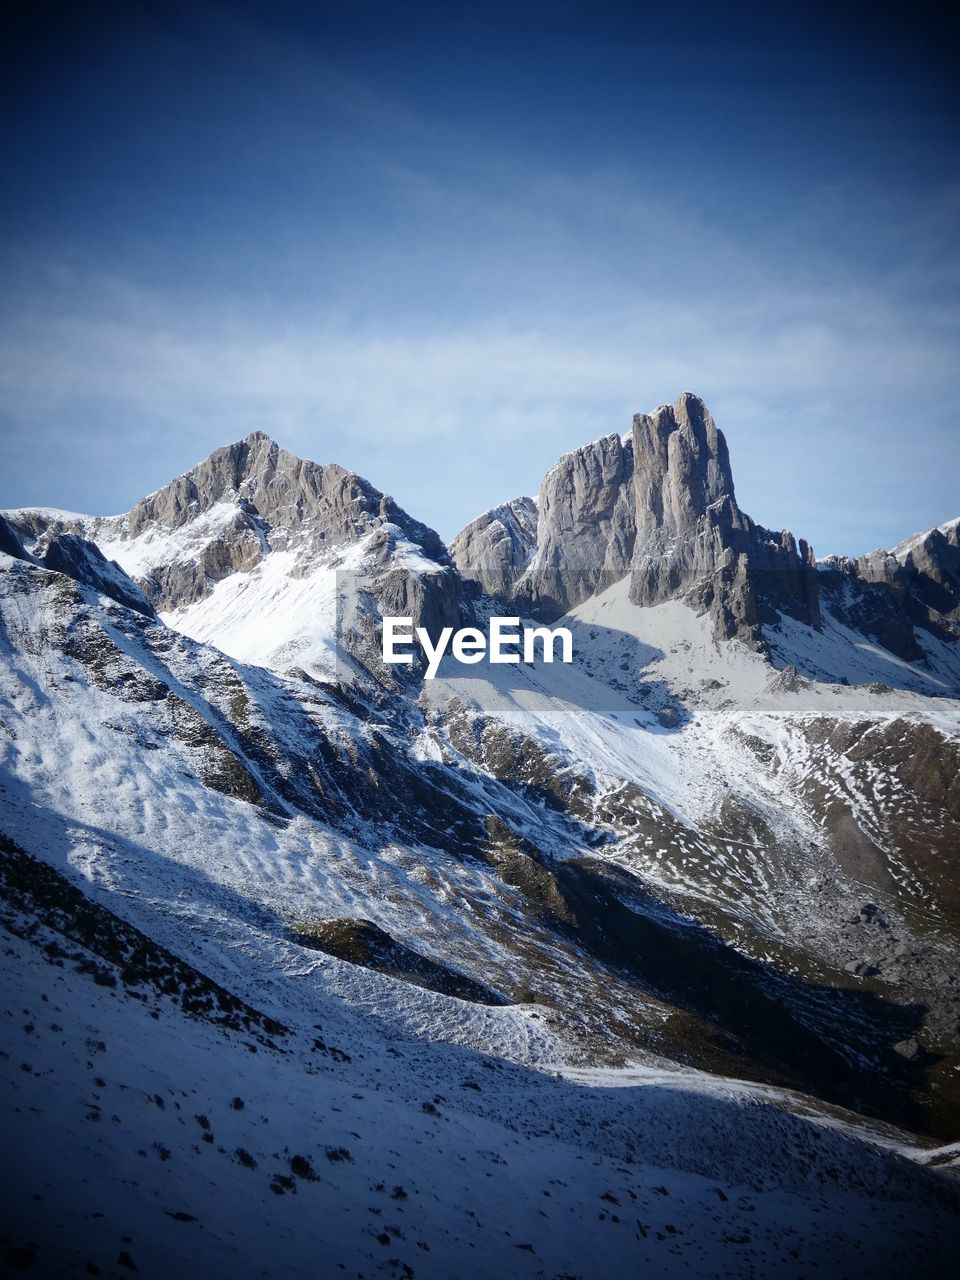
{"points": [[931, 563], [495, 549], [682, 471], [85, 562], [586, 528], [692, 538], [10, 543], [659, 505], [279, 502], [432, 599], [871, 598], [688, 523], [889, 594], [78, 559], [275, 488]]}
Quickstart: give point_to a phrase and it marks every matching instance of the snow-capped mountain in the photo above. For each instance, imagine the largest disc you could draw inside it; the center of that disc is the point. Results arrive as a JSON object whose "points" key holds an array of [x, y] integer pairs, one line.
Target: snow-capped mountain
{"points": [[672, 925], [244, 552]]}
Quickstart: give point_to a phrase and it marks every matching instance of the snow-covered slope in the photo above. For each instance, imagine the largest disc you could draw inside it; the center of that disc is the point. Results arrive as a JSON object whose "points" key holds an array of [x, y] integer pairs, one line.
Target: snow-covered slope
{"points": [[482, 831], [253, 549], [340, 1112], [344, 1145]]}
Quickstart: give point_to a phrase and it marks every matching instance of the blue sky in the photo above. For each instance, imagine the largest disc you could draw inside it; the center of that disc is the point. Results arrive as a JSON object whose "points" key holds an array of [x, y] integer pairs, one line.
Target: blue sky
{"points": [[443, 244]]}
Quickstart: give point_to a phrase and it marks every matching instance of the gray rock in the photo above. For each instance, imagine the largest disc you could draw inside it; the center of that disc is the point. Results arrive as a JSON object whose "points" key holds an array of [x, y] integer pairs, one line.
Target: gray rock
{"points": [[658, 505], [496, 548], [313, 505], [85, 562], [890, 595], [909, 1049], [862, 968], [585, 529], [693, 539], [669, 717], [788, 680]]}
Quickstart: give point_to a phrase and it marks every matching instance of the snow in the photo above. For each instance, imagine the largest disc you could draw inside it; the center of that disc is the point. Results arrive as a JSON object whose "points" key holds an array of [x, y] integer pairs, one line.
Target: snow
{"points": [[267, 616], [673, 653], [411, 1159], [279, 613], [53, 514], [599, 718], [157, 545], [282, 612], [903, 549]]}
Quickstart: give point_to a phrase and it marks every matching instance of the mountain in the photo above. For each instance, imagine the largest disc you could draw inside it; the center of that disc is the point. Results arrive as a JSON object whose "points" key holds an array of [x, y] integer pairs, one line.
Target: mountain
{"points": [[660, 506], [244, 551], [897, 596], [303, 949], [670, 521]]}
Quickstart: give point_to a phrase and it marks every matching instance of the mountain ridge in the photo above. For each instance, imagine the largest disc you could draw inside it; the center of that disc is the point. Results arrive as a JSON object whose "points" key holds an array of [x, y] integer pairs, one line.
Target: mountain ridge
{"points": [[671, 522]]}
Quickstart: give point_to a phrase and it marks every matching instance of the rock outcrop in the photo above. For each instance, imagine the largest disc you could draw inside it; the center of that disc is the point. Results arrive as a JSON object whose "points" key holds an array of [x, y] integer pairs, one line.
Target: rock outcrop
{"points": [[586, 527], [10, 543], [659, 505], [931, 563], [301, 500], [275, 501], [888, 595], [495, 549], [85, 562], [79, 559], [692, 538]]}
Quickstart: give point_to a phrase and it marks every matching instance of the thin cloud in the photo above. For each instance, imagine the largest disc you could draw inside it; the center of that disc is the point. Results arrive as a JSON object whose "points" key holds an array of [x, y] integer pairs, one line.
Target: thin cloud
{"points": [[519, 395]]}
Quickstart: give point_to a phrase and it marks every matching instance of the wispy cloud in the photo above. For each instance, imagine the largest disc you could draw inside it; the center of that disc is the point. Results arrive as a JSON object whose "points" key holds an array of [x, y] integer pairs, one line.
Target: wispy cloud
{"points": [[394, 402]]}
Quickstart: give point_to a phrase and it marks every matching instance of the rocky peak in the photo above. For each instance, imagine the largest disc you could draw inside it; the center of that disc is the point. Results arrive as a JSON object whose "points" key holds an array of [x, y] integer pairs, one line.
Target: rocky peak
{"points": [[889, 594], [682, 468], [245, 500], [285, 492], [692, 537], [495, 549], [659, 505], [243, 548]]}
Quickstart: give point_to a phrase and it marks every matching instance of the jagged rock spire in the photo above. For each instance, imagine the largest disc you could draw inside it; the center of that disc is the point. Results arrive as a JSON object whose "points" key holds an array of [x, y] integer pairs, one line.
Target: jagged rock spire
{"points": [[659, 505], [692, 537], [682, 467]]}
